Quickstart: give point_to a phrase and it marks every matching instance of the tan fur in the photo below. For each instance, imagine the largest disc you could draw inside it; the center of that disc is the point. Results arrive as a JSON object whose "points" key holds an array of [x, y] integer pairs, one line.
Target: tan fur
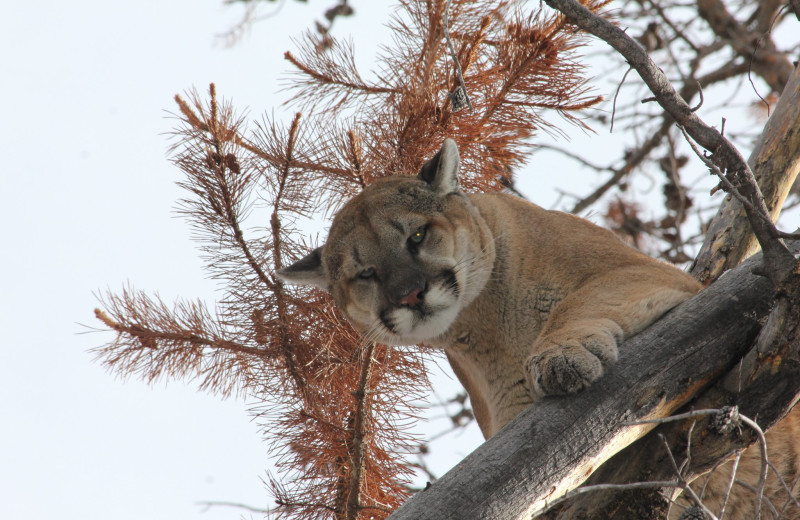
{"points": [[563, 293], [524, 302]]}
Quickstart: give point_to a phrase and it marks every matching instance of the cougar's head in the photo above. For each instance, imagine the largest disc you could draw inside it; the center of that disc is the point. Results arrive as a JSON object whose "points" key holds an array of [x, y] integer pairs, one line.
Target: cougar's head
{"points": [[405, 255]]}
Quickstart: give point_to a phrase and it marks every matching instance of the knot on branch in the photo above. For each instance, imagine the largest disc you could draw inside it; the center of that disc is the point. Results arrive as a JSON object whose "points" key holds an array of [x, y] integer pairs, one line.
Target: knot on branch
{"points": [[693, 513], [726, 419]]}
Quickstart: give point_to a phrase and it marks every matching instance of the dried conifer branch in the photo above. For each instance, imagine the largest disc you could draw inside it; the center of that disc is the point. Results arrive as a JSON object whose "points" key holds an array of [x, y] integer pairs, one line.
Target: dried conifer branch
{"points": [[277, 288], [333, 71], [155, 341], [513, 64], [253, 146], [357, 445], [272, 326], [220, 181]]}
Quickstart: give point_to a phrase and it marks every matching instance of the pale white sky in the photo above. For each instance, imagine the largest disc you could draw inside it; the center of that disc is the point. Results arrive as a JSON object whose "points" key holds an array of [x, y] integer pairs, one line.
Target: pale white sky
{"points": [[87, 202]]}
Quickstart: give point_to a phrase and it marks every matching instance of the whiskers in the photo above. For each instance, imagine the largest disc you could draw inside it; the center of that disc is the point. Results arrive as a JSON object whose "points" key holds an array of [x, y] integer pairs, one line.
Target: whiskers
{"points": [[375, 333]]}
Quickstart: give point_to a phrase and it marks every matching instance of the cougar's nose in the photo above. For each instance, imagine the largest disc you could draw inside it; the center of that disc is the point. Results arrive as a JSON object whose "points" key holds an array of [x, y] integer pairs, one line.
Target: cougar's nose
{"points": [[407, 289], [412, 299]]}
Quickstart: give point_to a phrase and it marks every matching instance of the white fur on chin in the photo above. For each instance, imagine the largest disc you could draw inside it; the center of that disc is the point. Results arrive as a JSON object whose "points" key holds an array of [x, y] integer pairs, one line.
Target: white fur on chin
{"points": [[442, 307]]}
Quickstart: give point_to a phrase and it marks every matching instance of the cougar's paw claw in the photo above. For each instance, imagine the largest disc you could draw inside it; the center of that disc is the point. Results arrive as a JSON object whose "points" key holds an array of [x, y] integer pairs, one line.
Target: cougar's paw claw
{"points": [[565, 370]]}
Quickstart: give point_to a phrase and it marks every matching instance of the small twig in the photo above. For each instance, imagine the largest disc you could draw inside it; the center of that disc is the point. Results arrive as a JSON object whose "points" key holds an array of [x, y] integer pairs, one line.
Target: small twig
{"points": [[730, 484], [209, 505], [785, 485], [671, 25], [656, 484], [767, 501], [791, 494], [688, 448], [753, 55], [673, 418], [683, 484], [671, 457], [727, 185], [702, 99], [762, 478], [614, 104], [574, 156]]}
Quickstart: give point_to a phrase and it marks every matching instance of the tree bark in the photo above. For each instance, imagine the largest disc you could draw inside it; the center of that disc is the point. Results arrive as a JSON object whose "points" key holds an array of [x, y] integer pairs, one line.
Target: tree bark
{"points": [[556, 444]]}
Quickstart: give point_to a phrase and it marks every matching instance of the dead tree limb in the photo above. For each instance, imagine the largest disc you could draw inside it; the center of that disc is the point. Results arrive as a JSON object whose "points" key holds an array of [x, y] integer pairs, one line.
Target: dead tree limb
{"points": [[554, 446]]}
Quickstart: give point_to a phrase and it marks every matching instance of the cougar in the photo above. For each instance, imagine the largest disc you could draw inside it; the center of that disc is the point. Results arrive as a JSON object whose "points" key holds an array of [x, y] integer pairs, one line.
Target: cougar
{"points": [[525, 302]]}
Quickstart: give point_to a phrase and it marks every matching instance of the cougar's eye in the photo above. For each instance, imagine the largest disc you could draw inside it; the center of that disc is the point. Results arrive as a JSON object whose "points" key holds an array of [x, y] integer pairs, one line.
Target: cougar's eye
{"points": [[367, 273], [417, 236]]}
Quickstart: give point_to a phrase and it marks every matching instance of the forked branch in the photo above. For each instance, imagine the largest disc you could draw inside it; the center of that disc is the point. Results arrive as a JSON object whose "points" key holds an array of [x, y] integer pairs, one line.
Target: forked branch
{"points": [[777, 258]]}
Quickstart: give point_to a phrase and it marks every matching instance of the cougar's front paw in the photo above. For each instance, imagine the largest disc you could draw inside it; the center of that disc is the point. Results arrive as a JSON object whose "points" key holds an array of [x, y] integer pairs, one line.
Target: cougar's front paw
{"points": [[566, 362], [562, 370]]}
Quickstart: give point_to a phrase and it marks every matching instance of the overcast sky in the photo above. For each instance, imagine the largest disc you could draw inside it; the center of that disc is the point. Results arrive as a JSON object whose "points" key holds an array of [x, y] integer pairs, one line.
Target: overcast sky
{"points": [[87, 202]]}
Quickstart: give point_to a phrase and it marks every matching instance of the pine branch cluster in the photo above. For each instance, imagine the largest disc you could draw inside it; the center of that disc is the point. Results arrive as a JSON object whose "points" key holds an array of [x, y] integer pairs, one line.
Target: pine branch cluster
{"points": [[336, 408]]}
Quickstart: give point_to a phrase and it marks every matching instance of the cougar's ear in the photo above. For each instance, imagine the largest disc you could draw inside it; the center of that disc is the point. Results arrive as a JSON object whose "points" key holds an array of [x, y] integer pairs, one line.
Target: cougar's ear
{"points": [[306, 271], [441, 172]]}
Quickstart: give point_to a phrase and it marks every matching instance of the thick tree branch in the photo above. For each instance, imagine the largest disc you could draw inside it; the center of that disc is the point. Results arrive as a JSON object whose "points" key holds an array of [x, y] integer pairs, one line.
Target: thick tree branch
{"points": [[553, 446]]}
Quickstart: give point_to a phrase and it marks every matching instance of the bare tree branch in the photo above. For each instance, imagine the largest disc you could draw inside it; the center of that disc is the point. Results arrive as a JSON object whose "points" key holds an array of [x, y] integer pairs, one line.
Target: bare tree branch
{"points": [[778, 260], [755, 47]]}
